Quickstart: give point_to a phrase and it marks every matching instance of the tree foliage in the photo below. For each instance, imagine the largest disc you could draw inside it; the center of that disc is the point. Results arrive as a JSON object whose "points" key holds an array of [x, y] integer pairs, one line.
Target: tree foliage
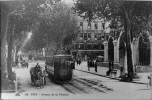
{"points": [[55, 24]]}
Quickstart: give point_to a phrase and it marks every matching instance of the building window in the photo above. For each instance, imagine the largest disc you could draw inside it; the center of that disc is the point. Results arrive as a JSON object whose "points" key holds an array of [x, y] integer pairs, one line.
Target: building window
{"points": [[95, 36], [81, 46], [89, 36], [102, 37], [99, 36], [89, 25], [81, 25], [89, 46], [102, 47], [96, 25], [73, 46], [103, 25], [85, 36], [95, 46], [76, 45], [81, 36]]}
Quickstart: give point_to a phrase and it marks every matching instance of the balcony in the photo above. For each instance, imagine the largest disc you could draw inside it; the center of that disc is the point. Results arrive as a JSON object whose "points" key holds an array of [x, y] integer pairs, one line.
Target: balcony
{"points": [[87, 46], [91, 30]]}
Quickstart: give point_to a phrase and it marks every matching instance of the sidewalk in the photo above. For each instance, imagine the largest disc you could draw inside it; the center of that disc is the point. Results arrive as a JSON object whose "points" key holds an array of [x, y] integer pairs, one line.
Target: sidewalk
{"points": [[101, 71]]}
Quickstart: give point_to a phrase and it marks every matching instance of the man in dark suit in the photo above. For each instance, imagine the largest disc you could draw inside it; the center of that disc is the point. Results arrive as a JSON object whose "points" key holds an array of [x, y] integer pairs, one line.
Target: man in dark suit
{"points": [[112, 64], [109, 71], [88, 65], [95, 65], [37, 69]]}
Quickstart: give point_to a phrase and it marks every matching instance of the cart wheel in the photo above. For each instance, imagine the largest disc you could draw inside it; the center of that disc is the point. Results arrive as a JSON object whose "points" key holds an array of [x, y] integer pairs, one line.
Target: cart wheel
{"points": [[40, 84], [45, 80]]}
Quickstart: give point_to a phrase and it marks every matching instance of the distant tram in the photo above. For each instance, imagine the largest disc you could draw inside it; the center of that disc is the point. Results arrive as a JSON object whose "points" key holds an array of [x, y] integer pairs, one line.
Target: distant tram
{"points": [[60, 67]]}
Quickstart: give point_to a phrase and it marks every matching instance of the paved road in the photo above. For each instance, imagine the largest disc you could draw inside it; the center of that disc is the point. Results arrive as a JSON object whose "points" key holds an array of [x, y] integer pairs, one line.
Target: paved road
{"points": [[82, 86]]}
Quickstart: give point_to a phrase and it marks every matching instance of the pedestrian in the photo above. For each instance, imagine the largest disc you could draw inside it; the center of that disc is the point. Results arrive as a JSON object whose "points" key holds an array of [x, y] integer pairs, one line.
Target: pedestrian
{"points": [[95, 65], [121, 70], [150, 81], [77, 61], [112, 64], [109, 71], [88, 65], [45, 75], [27, 65]]}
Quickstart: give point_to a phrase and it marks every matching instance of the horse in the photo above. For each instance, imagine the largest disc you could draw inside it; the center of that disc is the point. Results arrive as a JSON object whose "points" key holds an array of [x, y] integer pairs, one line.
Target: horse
{"points": [[42, 77]]}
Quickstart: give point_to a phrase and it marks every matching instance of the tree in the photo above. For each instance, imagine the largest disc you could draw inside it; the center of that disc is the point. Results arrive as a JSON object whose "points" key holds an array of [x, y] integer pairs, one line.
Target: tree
{"points": [[41, 28], [56, 24], [4, 20], [64, 23], [127, 12], [7, 8]]}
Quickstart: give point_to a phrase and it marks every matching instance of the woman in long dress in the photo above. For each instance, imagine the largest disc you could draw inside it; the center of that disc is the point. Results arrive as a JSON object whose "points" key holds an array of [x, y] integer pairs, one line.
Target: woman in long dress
{"points": [[150, 80]]}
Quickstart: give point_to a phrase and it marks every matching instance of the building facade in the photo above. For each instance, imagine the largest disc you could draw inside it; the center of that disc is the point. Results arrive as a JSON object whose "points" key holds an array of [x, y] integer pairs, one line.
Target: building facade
{"points": [[89, 42]]}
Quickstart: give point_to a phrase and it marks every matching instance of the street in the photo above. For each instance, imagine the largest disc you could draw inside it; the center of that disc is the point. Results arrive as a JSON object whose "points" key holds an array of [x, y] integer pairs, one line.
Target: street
{"points": [[82, 86]]}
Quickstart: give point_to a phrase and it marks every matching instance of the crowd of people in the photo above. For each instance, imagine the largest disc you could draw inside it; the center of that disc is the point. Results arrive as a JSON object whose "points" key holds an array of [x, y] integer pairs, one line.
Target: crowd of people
{"points": [[92, 63]]}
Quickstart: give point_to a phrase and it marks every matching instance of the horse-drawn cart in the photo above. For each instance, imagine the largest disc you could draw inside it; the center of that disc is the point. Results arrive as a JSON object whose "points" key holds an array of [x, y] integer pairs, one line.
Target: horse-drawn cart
{"points": [[38, 78]]}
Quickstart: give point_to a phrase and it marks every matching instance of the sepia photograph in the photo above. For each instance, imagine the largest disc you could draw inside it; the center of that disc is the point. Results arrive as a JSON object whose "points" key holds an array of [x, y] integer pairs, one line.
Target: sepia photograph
{"points": [[76, 49]]}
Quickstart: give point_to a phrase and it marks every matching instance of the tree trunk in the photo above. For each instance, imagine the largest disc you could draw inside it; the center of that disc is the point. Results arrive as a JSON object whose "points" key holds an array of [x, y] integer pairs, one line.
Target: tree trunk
{"points": [[16, 58], [14, 55], [36, 51], [128, 47], [10, 48], [4, 44]]}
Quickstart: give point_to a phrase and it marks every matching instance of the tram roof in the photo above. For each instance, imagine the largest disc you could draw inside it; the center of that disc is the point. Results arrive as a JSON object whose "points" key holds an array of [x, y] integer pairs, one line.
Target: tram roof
{"points": [[60, 55]]}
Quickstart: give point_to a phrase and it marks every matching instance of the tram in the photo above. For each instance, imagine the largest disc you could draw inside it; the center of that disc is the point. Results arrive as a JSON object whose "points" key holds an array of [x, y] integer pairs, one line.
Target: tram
{"points": [[59, 67]]}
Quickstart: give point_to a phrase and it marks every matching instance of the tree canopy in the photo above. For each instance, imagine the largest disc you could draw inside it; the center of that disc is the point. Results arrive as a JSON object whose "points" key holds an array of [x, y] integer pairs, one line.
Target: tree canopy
{"points": [[55, 24], [114, 10]]}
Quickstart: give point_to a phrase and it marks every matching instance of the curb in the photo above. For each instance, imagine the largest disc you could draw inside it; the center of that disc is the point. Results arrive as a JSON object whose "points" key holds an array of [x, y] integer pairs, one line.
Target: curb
{"points": [[110, 77], [7, 91]]}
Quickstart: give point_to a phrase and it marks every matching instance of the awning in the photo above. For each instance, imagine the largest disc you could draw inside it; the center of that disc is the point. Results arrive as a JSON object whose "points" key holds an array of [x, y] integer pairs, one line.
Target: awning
{"points": [[100, 57]]}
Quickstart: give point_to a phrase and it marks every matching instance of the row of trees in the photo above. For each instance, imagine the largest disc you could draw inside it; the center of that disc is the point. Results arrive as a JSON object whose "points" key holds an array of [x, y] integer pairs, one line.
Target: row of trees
{"points": [[57, 25], [132, 16], [48, 20]]}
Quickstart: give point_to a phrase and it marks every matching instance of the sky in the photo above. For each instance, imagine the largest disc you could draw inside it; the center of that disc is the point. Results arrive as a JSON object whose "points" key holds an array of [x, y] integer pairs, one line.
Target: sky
{"points": [[68, 1]]}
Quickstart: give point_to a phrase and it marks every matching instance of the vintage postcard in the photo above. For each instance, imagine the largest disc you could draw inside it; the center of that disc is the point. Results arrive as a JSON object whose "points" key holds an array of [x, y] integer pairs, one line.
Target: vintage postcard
{"points": [[76, 49]]}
